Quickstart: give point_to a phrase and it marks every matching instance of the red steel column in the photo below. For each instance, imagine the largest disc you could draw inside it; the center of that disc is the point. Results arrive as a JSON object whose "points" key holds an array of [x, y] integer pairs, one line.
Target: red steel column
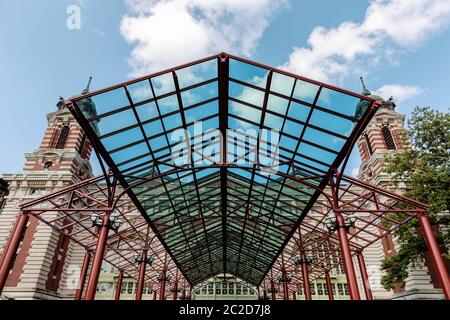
{"points": [[175, 290], [272, 289], [436, 255], [162, 287], [141, 279], [265, 294], [98, 258], [305, 276], [347, 258], [329, 286], [294, 295], [285, 287], [364, 276], [83, 274], [2, 257], [154, 294], [11, 249], [119, 286]]}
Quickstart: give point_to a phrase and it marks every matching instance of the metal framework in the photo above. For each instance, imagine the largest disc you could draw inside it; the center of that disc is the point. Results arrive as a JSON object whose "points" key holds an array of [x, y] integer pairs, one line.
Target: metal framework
{"points": [[225, 211]]}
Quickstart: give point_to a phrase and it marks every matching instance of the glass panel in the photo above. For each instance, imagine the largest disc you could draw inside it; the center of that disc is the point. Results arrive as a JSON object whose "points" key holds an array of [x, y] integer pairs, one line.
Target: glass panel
{"points": [[153, 128], [293, 128], [116, 121], [305, 91], [273, 122], [168, 104], [130, 152], [244, 112], [246, 94], [277, 104], [173, 121], [282, 84], [298, 111], [199, 94], [140, 91], [163, 84], [202, 111], [324, 139], [248, 73], [122, 138], [341, 103], [147, 111], [316, 153], [331, 122], [197, 73], [110, 101]]}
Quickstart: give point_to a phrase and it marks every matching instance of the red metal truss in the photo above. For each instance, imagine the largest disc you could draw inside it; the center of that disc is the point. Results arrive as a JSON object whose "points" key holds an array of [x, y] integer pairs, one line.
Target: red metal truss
{"points": [[232, 229], [69, 212]]}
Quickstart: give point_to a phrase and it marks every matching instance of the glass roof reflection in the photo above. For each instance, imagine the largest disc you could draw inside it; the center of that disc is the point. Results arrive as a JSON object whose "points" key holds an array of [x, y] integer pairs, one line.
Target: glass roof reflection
{"points": [[213, 218]]}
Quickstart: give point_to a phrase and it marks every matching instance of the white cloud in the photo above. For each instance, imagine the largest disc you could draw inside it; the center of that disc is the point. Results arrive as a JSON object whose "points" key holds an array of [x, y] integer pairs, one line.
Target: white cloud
{"points": [[399, 92], [355, 172], [389, 25], [169, 32]]}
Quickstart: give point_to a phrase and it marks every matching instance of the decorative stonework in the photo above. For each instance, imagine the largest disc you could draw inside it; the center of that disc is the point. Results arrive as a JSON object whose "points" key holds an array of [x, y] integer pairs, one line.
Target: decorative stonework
{"points": [[44, 256]]}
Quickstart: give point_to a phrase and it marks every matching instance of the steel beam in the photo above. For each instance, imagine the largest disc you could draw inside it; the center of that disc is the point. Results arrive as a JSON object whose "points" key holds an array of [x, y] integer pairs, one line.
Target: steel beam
{"points": [[119, 286], [98, 258], [364, 276], [12, 247], [83, 274], [435, 253]]}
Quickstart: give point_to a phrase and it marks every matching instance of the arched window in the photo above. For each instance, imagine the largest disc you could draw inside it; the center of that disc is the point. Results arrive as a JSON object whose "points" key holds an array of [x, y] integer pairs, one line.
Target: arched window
{"points": [[369, 146], [81, 146], [388, 139], [63, 136]]}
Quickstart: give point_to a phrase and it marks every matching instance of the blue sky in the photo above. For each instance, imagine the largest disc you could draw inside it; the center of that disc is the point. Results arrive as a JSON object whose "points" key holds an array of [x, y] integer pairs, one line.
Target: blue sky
{"points": [[402, 48]]}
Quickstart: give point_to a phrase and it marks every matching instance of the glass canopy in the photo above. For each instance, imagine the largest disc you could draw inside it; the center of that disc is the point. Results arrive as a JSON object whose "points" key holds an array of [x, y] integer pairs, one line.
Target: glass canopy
{"points": [[164, 135]]}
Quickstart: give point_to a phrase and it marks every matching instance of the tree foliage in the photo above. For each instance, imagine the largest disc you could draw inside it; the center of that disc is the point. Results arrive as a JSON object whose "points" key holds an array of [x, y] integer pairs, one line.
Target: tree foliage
{"points": [[425, 170]]}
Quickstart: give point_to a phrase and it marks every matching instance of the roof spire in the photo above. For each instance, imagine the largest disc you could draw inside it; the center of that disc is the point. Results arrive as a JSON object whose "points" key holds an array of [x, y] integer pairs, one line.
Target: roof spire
{"points": [[85, 91], [365, 91]]}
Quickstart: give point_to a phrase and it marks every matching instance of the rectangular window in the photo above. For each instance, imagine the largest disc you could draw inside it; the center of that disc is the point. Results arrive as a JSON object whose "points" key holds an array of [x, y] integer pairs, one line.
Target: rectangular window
{"points": [[313, 288], [340, 289], [36, 191], [319, 289], [346, 289]]}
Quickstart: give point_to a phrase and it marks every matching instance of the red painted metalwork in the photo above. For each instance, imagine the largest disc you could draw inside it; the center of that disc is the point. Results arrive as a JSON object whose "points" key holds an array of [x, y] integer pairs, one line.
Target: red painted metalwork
{"points": [[272, 291], [364, 276], [119, 286], [339, 194], [163, 279], [141, 279], [98, 258], [350, 274], [436, 255], [83, 274], [357, 191], [294, 295], [11, 249], [162, 288], [6, 245], [175, 291], [285, 287], [305, 275], [155, 295], [329, 286]]}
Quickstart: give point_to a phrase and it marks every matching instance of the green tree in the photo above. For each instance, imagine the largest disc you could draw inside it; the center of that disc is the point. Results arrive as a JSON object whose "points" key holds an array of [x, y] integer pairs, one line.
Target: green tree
{"points": [[425, 170]]}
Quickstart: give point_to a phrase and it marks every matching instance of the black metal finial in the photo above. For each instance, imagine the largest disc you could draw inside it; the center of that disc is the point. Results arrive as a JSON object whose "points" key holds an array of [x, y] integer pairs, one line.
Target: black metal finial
{"points": [[365, 91], [85, 91]]}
